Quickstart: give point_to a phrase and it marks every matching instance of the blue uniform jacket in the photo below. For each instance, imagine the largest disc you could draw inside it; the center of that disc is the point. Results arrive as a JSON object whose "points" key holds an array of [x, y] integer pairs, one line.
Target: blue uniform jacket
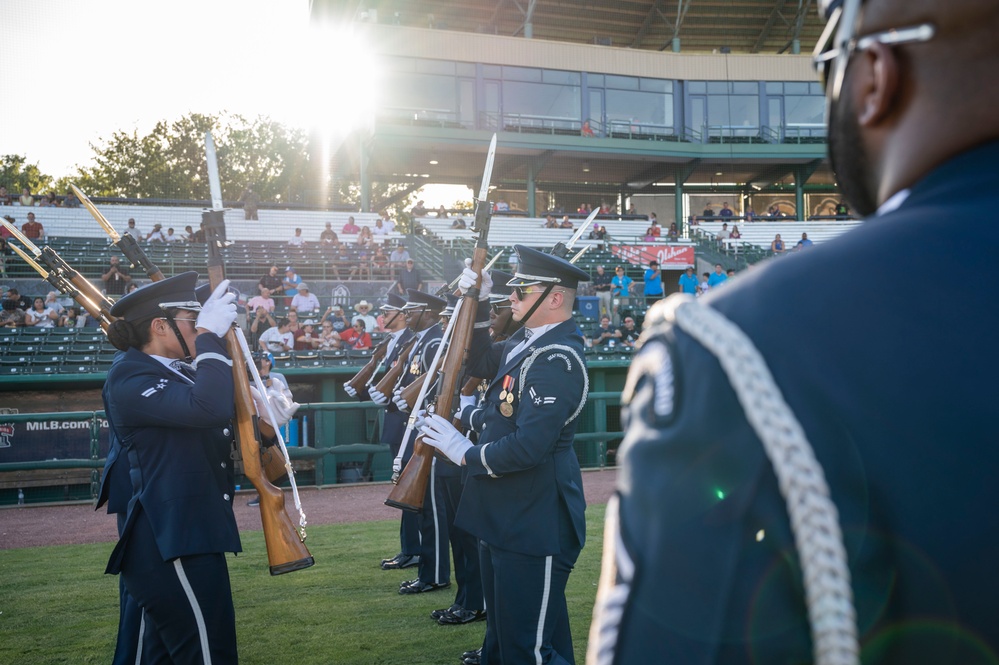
{"points": [[178, 438], [882, 356], [422, 355], [524, 484]]}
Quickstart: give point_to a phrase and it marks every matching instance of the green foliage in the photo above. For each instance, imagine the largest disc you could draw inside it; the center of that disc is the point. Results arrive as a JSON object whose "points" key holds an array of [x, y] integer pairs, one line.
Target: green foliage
{"points": [[56, 606], [16, 173]]}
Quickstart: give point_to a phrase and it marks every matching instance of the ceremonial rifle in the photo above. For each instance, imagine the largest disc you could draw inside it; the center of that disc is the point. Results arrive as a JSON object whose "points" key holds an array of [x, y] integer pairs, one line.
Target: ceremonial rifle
{"points": [[286, 550], [409, 492], [126, 243], [561, 249]]}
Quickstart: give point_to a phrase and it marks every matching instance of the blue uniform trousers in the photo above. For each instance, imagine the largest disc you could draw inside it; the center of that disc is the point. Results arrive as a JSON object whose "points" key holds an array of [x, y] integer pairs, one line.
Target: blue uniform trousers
{"points": [[393, 429], [435, 561], [464, 546], [186, 602], [129, 619]]}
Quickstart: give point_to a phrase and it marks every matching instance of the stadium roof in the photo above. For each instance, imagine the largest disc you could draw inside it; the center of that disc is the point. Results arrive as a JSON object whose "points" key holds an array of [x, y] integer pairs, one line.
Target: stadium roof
{"points": [[741, 26]]}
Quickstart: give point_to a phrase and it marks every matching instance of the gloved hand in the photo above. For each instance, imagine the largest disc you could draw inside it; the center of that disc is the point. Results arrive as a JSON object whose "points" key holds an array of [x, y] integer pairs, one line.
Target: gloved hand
{"points": [[420, 419], [347, 388], [399, 402], [396, 468], [466, 400], [467, 281], [377, 397], [442, 435], [219, 311], [282, 407]]}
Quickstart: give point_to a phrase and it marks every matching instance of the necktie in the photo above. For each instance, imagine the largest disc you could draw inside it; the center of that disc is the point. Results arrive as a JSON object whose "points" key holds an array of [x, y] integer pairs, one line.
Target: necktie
{"points": [[523, 343], [186, 370]]}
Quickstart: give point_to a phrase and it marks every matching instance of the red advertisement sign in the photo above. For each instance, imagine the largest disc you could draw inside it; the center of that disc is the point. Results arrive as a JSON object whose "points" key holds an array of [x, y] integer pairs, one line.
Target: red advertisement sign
{"points": [[668, 256]]}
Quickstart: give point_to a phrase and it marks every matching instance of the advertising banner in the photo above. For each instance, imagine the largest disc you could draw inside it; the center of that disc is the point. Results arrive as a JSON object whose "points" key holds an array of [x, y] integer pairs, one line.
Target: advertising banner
{"points": [[670, 257]]}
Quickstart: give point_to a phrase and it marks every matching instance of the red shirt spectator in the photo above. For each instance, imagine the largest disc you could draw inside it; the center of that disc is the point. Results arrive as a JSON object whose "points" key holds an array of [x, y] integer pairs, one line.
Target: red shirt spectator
{"points": [[32, 229], [356, 337]]}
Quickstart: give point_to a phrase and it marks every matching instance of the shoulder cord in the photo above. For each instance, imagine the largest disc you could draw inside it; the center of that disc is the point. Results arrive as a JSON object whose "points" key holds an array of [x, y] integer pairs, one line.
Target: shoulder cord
{"points": [[813, 515], [561, 347]]}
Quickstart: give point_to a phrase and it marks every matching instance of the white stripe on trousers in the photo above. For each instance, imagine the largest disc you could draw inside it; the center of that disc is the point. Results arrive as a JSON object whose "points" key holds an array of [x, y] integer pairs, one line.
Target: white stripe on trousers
{"points": [[142, 630], [544, 609], [437, 536], [198, 616]]}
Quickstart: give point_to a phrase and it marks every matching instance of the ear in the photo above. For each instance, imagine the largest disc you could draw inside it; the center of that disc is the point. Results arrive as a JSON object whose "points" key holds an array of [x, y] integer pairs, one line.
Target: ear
{"points": [[878, 80]]}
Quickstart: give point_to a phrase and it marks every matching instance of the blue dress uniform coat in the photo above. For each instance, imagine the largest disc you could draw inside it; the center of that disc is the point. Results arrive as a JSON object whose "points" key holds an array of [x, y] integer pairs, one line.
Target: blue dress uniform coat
{"points": [[178, 439], [881, 358], [523, 496]]}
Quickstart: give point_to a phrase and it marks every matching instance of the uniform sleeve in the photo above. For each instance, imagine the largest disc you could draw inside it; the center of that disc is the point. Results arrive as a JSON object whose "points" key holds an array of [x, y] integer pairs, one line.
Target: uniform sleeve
{"points": [[550, 396], [146, 398]]}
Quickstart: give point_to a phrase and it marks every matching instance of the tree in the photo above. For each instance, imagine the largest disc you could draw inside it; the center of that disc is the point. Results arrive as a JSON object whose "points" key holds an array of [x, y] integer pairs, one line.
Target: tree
{"points": [[16, 174]]}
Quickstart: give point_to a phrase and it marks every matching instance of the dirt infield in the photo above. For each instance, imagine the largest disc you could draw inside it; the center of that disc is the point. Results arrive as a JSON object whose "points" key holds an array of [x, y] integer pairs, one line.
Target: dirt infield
{"points": [[34, 526]]}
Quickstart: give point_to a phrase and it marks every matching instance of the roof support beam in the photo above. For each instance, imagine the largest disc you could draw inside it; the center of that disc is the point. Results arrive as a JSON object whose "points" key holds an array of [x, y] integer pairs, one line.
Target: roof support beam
{"points": [[799, 20], [681, 13], [765, 32], [654, 10]]}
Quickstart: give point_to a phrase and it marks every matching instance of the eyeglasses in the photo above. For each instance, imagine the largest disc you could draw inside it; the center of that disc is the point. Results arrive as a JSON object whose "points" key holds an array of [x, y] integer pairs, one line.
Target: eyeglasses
{"points": [[827, 54], [524, 291]]}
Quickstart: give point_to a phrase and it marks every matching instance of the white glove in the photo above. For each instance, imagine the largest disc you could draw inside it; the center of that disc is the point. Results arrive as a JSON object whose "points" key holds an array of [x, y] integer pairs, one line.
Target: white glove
{"points": [[396, 466], [347, 388], [442, 435], [400, 402], [377, 397], [465, 401], [467, 281], [219, 311], [420, 419], [284, 409]]}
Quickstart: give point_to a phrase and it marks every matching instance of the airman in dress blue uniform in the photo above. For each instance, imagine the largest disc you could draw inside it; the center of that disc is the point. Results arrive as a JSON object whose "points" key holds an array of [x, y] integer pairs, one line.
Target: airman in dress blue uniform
{"points": [[877, 358], [523, 498], [179, 520]]}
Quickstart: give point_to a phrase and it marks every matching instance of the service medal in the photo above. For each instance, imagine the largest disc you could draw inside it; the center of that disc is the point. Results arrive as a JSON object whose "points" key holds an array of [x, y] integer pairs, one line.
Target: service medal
{"points": [[503, 395], [506, 409]]}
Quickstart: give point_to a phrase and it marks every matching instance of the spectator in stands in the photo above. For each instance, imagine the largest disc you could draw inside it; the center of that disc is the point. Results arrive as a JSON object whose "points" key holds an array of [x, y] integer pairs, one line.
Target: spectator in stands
{"points": [[337, 318], [688, 281], [303, 300], [725, 210], [723, 235], [251, 203], [271, 281], [704, 286], [398, 257], [731, 273], [628, 334], [328, 237], [365, 239], [566, 223], [171, 236], [48, 201], [297, 240], [550, 222], [409, 278], [290, 285], [262, 299], [708, 212], [350, 228], [583, 209], [653, 219], [672, 233], [387, 221], [132, 286], [115, 278], [735, 235], [718, 276], [23, 302], [33, 230], [363, 309], [605, 332], [4, 232], [41, 316], [631, 209], [11, 316], [601, 282], [4, 196], [442, 213], [648, 237], [803, 243], [459, 223], [380, 228], [842, 209], [605, 208], [278, 339], [52, 302], [750, 214], [156, 235], [620, 293], [419, 210], [329, 339], [598, 232], [26, 200], [71, 318], [379, 264], [70, 200], [261, 321], [356, 337], [294, 321], [777, 245], [4, 251], [653, 290], [654, 229], [132, 230], [308, 339], [586, 130]]}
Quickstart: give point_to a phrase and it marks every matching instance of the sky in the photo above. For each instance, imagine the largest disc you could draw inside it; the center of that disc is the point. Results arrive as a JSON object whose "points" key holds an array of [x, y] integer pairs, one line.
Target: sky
{"points": [[76, 71]]}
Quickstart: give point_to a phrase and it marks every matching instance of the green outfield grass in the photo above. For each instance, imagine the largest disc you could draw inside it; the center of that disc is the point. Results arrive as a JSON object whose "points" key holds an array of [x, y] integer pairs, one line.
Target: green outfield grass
{"points": [[56, 606]]}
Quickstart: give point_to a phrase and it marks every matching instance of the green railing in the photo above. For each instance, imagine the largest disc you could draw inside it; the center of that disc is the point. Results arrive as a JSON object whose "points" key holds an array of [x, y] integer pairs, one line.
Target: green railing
{"points": [[333, 442]]}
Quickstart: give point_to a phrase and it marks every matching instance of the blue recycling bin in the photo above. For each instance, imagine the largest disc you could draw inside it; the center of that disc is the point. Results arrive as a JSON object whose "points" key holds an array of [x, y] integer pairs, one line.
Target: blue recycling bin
{"points": [[588, 306], [290, 433]]}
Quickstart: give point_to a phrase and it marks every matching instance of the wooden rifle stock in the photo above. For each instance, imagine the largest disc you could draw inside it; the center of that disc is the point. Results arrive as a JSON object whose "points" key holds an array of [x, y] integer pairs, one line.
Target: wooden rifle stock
{"points": [[360, 380], [387, 384], [286, 552], [409, 491]]}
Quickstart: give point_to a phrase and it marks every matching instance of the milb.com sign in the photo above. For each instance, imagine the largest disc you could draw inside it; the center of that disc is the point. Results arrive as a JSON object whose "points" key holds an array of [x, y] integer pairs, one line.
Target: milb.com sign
{"points": [[667, 256], [49, 439]]}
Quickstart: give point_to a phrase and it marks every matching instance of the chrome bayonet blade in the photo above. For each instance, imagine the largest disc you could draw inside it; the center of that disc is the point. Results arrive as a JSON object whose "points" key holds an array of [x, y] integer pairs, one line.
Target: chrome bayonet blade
{"points": [[31, 247], [30, 261], [96, 214], [582, 229], [487, 173], [214, 182]]}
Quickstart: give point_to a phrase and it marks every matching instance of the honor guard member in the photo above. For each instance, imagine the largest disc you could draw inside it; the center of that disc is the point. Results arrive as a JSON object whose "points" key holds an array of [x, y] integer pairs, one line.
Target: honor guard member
{"points": [[394, 425], [880, 430], [423, 313], [523, 498], [179, 521]]}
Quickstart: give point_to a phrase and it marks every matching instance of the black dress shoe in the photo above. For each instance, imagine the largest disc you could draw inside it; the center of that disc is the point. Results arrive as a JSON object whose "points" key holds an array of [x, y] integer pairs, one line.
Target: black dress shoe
{"points": [[400, 561], [437, 614], [416, 586], [474, 653], [472, 658], [460, 616]]}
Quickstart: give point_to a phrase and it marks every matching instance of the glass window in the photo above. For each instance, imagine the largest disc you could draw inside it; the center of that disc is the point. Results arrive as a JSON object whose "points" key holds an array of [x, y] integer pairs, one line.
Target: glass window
{"points": [[795, 88], [656, 85], [697, 87], [539, 99], [804, 109], [732, 113], [466, 68], [719, 87], [521, 74], [622, 82], [424, 92], [435, 66], [746, 88], [562, 78], [816, 89], [492, 71], [775, 88], [595, 80], [644, 108]]}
